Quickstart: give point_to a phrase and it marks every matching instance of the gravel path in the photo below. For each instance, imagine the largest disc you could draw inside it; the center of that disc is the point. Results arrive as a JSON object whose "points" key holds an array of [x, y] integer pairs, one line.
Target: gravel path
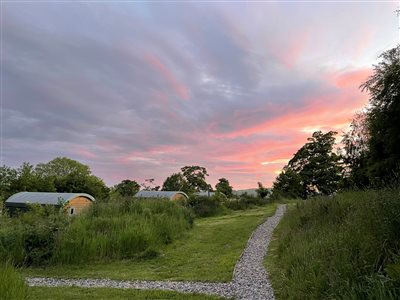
{"points": [[250, 279]]}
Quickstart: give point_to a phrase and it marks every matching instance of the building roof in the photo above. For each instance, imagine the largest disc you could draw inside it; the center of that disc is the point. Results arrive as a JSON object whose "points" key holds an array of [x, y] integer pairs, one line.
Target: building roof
{"points": [[45, 198], [159, 194]]}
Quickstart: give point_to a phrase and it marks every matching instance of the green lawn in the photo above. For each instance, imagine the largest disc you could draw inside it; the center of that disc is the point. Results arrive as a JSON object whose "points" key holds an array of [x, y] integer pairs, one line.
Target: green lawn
{"points": [[70, 293], [207, 253]]}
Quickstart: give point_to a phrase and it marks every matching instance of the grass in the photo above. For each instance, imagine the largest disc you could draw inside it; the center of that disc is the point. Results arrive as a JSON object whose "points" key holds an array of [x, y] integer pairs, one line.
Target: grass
{"points": [[121, 229], [76, 293], [12, 286], [343, 247], [208, 252]]}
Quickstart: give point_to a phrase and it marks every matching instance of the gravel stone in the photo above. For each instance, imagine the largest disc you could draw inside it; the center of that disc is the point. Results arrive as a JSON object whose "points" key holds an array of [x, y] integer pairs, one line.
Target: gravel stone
{"points": [[250, 279]]}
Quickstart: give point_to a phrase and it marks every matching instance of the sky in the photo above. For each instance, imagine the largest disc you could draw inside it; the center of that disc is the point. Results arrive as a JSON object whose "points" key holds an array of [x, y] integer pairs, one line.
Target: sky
{"points": [[137, 90]]}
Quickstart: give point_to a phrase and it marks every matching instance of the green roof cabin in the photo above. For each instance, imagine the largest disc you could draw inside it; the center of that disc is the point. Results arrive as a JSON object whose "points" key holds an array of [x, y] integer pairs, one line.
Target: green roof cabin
{"points": [[74, 203]]}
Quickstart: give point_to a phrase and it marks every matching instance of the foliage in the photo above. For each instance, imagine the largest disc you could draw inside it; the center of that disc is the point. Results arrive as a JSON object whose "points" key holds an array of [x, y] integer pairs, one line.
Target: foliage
{"points": [[204, 206], [122, 229], [176, 182], [383, 117], [244, 201], [12, 285], [59, 175], [70, 176], [149, 185], [262, 192], [127, 188], [355, 156], [224, 187], [313, 170], [190, 180], [31, 238], [195, 176], [341, 247]]}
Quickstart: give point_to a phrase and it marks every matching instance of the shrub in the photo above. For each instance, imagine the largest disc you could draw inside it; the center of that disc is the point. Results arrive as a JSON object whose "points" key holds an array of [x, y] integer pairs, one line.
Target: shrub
{"points": [[203, 206], [245, 201], [12, 285], [30, 239]]}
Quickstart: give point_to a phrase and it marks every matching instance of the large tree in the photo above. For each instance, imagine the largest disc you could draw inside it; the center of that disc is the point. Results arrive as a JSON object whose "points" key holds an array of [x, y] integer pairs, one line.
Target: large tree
{"points": [[224, 187], [355, 156], [71, 176], [196, 178], [383, 118], [314, 169], [176, 182], [58, 175]]}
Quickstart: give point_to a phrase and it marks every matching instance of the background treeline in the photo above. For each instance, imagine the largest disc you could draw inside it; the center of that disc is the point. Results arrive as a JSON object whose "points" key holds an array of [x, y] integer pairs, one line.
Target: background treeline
{"points": [[369, 154]]}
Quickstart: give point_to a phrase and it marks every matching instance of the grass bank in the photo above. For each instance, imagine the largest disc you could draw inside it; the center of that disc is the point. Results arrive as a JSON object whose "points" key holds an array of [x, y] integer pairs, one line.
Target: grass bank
{"points": [[208, 252], [75, 293], [342, 247]]}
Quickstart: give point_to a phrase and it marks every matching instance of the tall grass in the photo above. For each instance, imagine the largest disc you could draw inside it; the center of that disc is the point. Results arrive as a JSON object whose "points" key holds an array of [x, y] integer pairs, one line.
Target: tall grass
{"points": [[31, 238], [12, 286], [122, 229], [344, 247]]}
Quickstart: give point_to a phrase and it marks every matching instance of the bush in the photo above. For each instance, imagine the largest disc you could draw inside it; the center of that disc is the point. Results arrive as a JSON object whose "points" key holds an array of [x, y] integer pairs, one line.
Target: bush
{"points": [[244, 201], [203, 206], [12, 285], [31, 238], [122, 229], [347, 246]]}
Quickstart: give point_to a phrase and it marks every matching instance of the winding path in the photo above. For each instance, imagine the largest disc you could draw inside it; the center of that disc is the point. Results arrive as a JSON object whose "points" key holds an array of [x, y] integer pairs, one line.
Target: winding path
{"points": [[250, 279]]}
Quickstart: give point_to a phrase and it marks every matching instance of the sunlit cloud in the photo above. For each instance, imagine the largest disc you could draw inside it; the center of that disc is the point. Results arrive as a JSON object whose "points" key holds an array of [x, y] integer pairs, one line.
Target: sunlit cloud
{"points": [[138, 90], [276, 161]]}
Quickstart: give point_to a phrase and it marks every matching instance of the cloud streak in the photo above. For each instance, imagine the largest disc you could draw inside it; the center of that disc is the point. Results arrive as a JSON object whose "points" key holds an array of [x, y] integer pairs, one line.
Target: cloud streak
{"points": [[138, 90]]}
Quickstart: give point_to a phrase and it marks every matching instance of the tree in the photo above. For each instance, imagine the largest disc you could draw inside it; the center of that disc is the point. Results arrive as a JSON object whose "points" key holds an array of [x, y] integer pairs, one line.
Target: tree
{"points": [[149, 185], [355, 144], [314, 169], [288, 185], [262, 191], [8, 177], [71, 176], [127, 188], [383, 118], [196, 178], [223, 187], [176, 182]]}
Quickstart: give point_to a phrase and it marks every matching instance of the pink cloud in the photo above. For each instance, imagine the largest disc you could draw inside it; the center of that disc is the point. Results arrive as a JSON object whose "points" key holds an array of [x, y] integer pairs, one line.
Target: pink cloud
{"points": [[178, 88], [85, 153]]}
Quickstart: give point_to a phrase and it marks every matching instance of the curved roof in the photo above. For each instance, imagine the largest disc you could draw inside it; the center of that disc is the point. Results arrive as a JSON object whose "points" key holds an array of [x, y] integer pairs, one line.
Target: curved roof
{"points": [[159, 194], [45, 198]]}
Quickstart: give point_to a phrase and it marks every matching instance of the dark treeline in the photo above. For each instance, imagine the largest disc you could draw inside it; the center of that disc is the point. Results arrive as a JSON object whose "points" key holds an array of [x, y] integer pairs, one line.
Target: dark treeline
{"points": [[370, 152]]}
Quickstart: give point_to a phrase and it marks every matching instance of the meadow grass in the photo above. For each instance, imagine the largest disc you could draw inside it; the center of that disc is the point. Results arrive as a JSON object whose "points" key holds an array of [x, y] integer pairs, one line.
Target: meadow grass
{"points": [[76, 293], [342, 247], [121, 229], [12, 285], [208, 252]]}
